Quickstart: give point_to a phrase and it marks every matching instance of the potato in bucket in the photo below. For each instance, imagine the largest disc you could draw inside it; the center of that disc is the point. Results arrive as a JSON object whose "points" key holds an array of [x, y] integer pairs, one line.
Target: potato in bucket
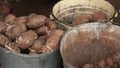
{"points": [[29, 42]]}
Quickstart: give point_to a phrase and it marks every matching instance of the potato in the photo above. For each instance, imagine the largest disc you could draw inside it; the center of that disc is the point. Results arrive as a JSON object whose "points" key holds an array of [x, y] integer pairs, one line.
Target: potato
{"points": [[32, 51], [115, 66], [101, 63], [37, 45], [96, 67], [116, 57], [43, 38], [45, 49], [36, 21], [9, 18], [118, 63], [21, 19], [88, 66], [107, 67], [80, 20], [53, 42], [26, 39], [42, 30], [51, 24], [12, 46], [57, 32], [109, 61], [3, 27], [3, 40], [16, 29], [75, 67], [97, 15], [31, 15]]}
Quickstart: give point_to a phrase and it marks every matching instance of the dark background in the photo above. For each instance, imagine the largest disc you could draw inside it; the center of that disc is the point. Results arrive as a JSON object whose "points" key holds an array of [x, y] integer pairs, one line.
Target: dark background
{"points": [[25, 7]]}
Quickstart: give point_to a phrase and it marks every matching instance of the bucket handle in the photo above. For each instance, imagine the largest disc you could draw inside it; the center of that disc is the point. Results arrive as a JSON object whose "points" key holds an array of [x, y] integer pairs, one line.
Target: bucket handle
{"points": [[59, 22], [115, 15]]}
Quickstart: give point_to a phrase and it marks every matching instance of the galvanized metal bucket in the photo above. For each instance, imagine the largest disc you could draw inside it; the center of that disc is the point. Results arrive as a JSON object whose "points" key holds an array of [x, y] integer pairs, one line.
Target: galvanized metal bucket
{"points": [[67, 65], [65, 11], [13, 60], [80, 54]]}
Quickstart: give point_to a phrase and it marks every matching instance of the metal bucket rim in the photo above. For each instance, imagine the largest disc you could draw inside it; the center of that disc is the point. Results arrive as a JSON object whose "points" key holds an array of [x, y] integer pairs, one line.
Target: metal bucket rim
{"points": [[86, 24], [28, 56], [65, 22]]}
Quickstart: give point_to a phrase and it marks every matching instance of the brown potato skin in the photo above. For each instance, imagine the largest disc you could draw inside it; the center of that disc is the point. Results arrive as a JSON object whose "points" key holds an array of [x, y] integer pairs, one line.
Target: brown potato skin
{"points": [[43, 38], [21, 19], [3, 27], [118, 64], [14, 47], [32, 51], [109, 61], [115, 66], [9, 18], [53, 42], [37, 45], [3, 40], [26, 39], [15, 30], [87, 66], [42, 30], [31, 15], [101, 63], [53, 39], [36, 21], [45, 49], [51, 24], [97, 15], [80, 20], [57, 32]]}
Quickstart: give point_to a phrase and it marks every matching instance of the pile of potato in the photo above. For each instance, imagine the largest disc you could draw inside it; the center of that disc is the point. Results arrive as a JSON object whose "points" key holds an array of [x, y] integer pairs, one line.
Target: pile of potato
{"points": [[96, 16], [35, 34], [109, 62]]}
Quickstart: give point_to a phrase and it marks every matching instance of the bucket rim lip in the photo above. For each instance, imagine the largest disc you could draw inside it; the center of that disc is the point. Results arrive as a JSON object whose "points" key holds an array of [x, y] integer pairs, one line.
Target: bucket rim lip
{"points": [[86, 24], [74, 28], [28, 55], [63, 0]]}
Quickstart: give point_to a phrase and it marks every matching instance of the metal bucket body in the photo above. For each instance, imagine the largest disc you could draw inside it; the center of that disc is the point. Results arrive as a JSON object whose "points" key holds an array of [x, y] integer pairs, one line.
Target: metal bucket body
{"points": [[67, 65], [66, 11], [13, 60], [82, 54]]}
